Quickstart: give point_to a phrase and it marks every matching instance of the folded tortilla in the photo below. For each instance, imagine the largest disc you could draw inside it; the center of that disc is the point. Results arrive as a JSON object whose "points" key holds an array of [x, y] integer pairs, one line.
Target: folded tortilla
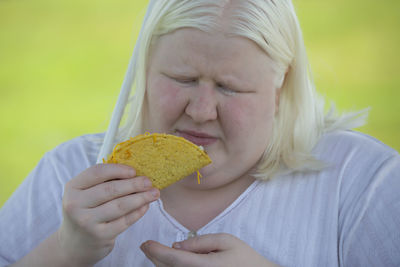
{"points": [[163, 158]]}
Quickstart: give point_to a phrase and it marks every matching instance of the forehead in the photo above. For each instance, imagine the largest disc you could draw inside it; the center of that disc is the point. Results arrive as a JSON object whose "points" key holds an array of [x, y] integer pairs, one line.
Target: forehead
{"points": [[191, 39], [213, 52]]}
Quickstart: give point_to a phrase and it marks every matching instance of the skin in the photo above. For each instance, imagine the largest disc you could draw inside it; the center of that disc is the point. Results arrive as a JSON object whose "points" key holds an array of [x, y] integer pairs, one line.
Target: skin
{"points": [[223, 87]]}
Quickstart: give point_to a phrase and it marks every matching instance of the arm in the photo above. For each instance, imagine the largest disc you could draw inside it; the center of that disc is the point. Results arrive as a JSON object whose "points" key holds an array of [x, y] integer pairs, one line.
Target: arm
{"points": [[48, 253]]}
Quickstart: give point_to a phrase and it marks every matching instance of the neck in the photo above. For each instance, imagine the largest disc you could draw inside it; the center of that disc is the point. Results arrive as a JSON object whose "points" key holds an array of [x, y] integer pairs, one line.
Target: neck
{"points": [[194, 207]]}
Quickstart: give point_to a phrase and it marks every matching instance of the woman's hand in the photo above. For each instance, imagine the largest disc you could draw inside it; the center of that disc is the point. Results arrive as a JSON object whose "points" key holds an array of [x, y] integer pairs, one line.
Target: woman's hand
{"points": [[98, 205], [205, 250]]}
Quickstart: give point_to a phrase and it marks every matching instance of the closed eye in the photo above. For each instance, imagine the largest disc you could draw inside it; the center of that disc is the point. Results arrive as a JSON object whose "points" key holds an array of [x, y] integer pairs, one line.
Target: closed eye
{"points": [[225, 90], [185, 80]]}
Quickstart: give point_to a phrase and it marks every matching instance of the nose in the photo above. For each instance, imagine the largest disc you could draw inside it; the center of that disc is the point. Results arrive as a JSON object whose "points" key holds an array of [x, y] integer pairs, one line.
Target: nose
{"points": [[202, 105]]}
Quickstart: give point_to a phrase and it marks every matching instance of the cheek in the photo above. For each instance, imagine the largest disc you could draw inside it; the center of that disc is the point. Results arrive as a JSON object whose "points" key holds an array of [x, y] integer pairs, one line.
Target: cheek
{"points": [[248, 117], [165, 98]]}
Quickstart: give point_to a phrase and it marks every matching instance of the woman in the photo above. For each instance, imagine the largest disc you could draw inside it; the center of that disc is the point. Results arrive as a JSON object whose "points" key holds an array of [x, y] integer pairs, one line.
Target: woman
{"points": [[288, 186]]}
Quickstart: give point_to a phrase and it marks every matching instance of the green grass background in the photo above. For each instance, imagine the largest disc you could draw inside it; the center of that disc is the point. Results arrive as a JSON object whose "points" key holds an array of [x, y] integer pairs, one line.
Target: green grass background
{"points": [[62, 64]]}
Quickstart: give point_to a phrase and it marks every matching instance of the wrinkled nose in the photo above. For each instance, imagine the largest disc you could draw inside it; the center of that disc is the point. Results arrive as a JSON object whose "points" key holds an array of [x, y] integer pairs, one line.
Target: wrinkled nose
{"points": [[202, 105]]}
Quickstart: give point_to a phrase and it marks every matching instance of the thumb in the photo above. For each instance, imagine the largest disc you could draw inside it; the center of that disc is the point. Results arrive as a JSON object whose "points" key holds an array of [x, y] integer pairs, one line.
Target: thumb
{"points": [[204, 244]]}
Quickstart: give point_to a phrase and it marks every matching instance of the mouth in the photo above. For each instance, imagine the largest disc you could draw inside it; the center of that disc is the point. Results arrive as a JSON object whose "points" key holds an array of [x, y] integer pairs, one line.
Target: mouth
{"points": [[198, 138]]}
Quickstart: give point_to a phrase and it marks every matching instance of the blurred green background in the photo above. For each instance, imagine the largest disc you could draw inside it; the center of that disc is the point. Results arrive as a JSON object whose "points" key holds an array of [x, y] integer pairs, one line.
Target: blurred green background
{"points": [[62, 64]]}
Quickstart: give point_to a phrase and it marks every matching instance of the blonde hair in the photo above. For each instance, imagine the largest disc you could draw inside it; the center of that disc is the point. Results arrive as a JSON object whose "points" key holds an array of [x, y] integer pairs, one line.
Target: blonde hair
{"points": [[273, 25]]}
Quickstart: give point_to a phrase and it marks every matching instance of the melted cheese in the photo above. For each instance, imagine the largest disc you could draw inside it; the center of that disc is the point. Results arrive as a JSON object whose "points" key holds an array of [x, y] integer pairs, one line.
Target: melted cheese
{"points": [[198, 177]]}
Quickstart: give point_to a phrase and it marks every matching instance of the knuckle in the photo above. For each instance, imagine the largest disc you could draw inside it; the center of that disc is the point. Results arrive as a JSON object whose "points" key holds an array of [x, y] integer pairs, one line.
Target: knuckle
{"points": [[110, 189], [144, 183], [69, 206], [120, 205], [130, 219], [97, 231], [84, 222], [147, 197], [136, 215], [143, 209], [138, 184], [134, 185], [100, 231]]}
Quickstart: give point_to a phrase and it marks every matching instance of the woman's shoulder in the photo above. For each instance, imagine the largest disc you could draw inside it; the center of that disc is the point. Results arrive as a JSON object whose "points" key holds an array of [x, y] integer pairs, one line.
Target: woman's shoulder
{"points": [[363, 166], [73, 156], [346, 144], [358, 160], [86, 146]]}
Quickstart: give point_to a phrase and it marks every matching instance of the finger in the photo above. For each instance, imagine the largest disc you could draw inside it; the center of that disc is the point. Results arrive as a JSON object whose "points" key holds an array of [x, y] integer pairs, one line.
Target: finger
{"points": [[100, 173], [157, 263], [104, 192], [166, 256], [206, 243], [116, 227], [122, 206]]}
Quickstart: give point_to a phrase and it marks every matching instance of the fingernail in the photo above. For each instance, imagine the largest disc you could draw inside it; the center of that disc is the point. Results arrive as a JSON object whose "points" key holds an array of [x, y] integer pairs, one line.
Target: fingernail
{"points": [[144, 246], [176, 245], [154, 192], [132, 172]]}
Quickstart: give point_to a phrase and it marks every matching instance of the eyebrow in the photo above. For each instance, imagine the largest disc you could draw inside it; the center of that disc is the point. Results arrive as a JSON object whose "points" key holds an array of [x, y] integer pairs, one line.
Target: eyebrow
{"points": [[180, 71]]}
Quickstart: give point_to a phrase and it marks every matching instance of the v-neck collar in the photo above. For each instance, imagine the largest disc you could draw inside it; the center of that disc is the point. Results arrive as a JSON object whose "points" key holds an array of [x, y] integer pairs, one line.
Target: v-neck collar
{"points": [[203, 229]]}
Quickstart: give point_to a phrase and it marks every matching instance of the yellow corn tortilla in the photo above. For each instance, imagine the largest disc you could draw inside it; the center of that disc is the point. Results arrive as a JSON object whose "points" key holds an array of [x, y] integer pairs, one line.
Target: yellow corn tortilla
{"points": [[163, 158]]}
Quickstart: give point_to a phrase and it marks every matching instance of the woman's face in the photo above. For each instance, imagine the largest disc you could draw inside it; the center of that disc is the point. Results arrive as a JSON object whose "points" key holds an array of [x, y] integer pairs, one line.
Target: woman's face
{"points": [[216, 91]]}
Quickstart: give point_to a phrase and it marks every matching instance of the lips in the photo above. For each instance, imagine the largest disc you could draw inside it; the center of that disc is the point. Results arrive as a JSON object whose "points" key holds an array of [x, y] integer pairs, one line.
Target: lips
{"points": [[198, 138]]}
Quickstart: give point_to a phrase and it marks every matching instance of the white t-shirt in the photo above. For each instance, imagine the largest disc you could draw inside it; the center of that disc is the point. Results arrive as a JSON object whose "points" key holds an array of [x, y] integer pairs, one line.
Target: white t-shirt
{"points": [[346, 215]]}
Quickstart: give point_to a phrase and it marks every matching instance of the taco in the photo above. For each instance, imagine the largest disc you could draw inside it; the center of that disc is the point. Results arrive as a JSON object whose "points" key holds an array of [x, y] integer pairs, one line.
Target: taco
{"points": [[163, 158]]}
